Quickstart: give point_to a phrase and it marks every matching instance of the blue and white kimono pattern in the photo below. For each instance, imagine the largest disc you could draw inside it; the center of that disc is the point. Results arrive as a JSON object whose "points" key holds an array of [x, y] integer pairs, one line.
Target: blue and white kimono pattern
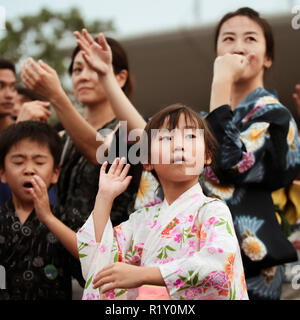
{"points": [[259, 152]]}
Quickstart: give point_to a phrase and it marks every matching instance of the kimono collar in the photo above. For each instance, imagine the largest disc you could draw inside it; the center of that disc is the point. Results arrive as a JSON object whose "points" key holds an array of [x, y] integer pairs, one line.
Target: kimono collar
{"points": [[187, 204], [194, 190], [254, 95]]}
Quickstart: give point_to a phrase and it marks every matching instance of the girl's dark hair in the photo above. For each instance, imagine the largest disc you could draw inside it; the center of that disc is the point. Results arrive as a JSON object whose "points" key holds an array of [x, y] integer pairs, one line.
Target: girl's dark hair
{"points": [[255, 16], [36, 131], [172, 114], [119, 62]]}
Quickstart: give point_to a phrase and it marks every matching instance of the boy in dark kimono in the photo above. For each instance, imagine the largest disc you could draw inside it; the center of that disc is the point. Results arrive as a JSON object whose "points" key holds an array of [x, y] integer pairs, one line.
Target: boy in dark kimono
{"points": [[37, 266]]}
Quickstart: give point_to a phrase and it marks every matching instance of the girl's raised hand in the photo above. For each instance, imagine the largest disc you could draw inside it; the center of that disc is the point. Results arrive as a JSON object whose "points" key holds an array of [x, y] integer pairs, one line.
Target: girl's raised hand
{"points": [[98, 55], [115, 181]]}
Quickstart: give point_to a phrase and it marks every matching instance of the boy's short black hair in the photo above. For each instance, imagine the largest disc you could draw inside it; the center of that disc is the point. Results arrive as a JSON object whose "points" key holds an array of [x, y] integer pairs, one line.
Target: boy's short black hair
{"points": [[36, 131]]}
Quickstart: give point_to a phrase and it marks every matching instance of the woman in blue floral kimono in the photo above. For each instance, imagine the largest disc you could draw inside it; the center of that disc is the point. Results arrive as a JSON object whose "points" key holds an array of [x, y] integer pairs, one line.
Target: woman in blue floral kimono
{"points": [[259, 147]]}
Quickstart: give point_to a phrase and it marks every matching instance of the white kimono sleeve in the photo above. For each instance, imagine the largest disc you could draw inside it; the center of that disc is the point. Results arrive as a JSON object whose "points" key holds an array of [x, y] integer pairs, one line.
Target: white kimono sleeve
{"points": [[95, 256]]}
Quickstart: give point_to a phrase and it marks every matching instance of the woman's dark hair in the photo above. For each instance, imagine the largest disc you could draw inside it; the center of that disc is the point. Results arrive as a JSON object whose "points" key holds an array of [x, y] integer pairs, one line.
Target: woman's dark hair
{"points": [[119, 62], [171, 114], [255, 16], [36, 131]]}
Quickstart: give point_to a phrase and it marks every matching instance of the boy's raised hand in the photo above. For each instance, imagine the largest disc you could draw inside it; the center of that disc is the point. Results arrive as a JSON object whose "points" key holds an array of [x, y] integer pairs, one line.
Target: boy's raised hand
{"points": [[40, 197], [115, 181], [97, 55]]}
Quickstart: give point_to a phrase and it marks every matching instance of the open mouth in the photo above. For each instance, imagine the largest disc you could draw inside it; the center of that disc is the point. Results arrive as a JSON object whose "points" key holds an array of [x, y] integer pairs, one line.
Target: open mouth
{"points": [[27, 185]]}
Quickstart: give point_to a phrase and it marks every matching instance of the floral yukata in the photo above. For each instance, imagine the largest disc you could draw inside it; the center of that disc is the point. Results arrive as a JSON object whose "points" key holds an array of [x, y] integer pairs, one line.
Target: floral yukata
{"points": [[259, 153], [192, 241]]}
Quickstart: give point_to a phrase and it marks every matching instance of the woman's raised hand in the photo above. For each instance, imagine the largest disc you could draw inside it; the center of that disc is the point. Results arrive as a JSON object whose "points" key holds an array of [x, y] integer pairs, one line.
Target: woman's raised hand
{"points": [[41, 78], [98, 55], [115, 181], [230, 66]]}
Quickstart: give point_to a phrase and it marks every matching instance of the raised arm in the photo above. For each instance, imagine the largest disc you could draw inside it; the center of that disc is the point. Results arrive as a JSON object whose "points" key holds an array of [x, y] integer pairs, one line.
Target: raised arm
{"points": [[42, 208], [227, 69], [42, 79], [111, 185], [99, 57]]}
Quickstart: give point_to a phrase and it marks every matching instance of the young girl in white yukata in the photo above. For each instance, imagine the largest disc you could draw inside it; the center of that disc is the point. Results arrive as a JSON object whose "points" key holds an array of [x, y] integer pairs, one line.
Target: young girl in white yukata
{"points": [[184, 247]]}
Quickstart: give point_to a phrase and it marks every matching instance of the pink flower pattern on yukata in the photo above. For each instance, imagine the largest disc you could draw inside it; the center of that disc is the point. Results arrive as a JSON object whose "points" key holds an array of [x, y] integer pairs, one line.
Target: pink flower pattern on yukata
{"points": [[210, 175], [110, 294], [179, 283], [91, 296], [219, 281], [153, 203], [178, 238], [247, 162], [251, 113], [192, 293], [134, 254]]}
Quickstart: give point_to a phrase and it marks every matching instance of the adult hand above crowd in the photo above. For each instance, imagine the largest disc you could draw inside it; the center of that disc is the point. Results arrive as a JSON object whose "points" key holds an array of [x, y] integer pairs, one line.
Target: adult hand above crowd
{"points": [[35, 111], [41, 78], [98, 55]]}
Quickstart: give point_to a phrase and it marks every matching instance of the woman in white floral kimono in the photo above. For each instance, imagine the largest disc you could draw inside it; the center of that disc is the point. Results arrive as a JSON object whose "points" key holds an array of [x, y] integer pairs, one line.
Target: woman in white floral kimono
{"points": [[184, 247]]}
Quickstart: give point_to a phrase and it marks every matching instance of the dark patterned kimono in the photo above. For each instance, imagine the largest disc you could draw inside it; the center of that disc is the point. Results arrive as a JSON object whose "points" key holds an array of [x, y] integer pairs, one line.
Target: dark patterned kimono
{"points": [[37, 266], [78, 182], [258, 153]]}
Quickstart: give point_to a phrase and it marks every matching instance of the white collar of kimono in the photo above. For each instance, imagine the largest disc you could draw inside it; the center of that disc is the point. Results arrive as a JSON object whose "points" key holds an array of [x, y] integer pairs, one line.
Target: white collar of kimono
{"points": [[187, 203], [196, 189]]}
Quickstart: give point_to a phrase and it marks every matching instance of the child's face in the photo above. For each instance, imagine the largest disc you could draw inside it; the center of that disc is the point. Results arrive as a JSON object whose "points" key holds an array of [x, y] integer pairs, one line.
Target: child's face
{"points": [[24, 160], [178, 155]]}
